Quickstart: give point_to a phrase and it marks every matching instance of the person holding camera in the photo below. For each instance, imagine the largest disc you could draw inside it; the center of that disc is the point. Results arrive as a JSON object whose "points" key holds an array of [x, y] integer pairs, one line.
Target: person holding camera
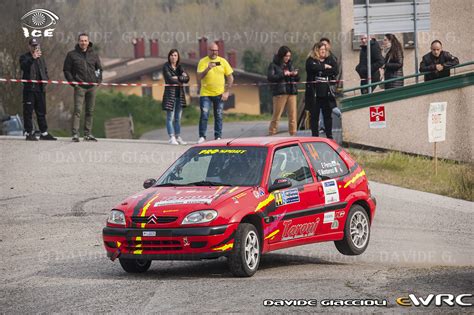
{"points": [[320, 69], [284, 90], [212, 72], [34, 95], [83, 65]]}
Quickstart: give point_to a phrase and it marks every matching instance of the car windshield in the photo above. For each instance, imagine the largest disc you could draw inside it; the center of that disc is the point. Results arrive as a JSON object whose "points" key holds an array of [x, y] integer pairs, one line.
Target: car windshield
{"points": [[217, 166]]}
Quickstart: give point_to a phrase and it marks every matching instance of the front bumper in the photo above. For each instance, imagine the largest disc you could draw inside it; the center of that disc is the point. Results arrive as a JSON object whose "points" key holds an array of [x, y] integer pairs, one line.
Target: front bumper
{"points": [[191, 243]]}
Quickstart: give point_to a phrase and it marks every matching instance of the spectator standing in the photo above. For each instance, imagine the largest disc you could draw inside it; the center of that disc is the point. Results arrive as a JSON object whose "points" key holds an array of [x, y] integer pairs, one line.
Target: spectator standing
{"points": [[437, 62], [376, 62], [283, 77], [212, 73], [318, 96], [83, 65], [393, 66], [34, 67], [332, 85], [174, 98]]}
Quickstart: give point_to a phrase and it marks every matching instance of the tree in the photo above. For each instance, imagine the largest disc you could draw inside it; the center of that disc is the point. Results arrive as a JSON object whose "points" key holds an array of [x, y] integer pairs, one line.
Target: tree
{"points": [[253, 62]]}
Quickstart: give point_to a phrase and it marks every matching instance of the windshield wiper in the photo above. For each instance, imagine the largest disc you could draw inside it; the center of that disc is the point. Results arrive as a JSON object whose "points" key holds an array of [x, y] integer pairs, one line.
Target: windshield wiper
{"points": [[169, 185], [322, 177], [207, 183]]}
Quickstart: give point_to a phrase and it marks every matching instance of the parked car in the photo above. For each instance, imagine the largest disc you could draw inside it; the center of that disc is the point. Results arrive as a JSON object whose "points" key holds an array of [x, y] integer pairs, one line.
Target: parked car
{"points": [[243, 198], [12, 126]]}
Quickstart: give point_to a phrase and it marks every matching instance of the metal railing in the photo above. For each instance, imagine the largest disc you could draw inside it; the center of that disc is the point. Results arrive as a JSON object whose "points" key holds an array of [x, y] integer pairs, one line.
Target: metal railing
{"points": [[402, 78]]}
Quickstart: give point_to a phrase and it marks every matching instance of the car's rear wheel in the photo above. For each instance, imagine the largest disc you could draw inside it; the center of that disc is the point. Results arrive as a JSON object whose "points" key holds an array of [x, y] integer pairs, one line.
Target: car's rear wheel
{"points": [[356, 232], [245, 256], [135, 265]]}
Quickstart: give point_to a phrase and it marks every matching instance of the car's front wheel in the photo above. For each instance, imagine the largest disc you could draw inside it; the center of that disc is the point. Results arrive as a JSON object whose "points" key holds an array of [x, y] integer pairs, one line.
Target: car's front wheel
{"points": [[135, 265], [245, 256], [356, 232]]}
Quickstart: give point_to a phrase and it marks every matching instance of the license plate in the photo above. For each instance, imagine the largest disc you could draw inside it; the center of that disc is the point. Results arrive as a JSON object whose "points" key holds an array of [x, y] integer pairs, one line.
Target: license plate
{"points": [[149, 233]]}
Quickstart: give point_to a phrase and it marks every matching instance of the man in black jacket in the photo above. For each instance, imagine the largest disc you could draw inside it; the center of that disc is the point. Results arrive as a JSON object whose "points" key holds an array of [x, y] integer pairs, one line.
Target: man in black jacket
{"points": [[376, 62], [83, 65], [34, 95], [437, 62]]}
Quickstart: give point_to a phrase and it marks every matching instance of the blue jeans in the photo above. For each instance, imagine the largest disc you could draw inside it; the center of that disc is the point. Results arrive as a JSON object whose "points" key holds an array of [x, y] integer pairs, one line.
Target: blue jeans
{"points": [[173, 119], [205, 105]]}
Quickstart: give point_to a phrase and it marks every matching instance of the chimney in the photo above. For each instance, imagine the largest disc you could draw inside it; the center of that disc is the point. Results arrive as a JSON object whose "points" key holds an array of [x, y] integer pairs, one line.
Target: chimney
{"points": [[202, 47], [138, 47], [220, 43], [232, 58], [192, 54], [154, 51]]}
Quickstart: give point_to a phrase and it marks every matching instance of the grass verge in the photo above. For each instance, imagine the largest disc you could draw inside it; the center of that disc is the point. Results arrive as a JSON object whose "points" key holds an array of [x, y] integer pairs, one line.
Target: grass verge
{"points": [[454, 179]]}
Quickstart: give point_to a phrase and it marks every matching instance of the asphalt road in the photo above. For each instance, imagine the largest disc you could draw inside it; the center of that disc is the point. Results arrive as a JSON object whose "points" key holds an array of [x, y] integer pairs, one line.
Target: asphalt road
{"points": [[240, 129], [55, 197]]}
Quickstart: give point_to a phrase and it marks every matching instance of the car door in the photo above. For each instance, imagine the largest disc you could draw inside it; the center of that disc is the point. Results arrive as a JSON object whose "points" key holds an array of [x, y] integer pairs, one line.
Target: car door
{"points": [[283, 217], [330, 170]]}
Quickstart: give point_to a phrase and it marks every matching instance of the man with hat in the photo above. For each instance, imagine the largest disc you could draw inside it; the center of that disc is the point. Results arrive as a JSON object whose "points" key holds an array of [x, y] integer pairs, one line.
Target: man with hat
{"points": [[34, 94]]}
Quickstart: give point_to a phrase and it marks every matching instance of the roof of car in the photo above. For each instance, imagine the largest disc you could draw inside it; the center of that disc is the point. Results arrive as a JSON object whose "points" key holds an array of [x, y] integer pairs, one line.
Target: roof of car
{"points": [[259, 141]]}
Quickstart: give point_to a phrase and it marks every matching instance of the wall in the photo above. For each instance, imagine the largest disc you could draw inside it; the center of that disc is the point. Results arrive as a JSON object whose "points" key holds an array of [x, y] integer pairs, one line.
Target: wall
{"points": [[407, 125]]}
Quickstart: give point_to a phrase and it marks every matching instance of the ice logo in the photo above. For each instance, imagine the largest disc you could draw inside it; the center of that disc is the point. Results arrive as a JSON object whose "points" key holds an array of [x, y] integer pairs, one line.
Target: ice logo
{"points": [[38, 22]]}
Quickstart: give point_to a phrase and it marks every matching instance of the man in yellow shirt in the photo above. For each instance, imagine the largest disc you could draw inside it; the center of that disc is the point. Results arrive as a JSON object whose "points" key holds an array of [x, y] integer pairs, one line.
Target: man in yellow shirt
{"points": [[212, 73]]}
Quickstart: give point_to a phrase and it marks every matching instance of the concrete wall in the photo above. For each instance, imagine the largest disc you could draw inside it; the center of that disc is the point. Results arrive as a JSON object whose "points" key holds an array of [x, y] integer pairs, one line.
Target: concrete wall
{"points": [[407, 125], [451, 23]]}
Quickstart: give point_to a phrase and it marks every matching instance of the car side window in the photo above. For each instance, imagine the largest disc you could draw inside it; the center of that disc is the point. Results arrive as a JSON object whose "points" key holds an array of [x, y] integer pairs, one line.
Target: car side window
{"points": [[289, 162], [325, 160]]}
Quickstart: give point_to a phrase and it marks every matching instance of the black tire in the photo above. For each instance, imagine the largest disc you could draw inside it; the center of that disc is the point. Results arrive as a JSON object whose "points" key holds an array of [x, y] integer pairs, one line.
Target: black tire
{"points": [[135, 265], [239, 265], [361, 229]]}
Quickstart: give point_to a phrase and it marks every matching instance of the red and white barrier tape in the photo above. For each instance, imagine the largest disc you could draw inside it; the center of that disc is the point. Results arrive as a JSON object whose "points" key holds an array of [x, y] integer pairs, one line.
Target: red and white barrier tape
{"points": [[145, 84]]}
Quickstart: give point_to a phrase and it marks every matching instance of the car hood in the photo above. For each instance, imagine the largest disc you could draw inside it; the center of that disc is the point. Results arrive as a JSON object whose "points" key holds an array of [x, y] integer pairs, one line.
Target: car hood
{"points": [[178, 200]]}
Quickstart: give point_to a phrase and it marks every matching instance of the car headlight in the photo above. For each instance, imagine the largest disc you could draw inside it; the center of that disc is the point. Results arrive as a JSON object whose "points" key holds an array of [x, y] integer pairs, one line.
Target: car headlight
{"points": [[201, 216], [116, 217]]}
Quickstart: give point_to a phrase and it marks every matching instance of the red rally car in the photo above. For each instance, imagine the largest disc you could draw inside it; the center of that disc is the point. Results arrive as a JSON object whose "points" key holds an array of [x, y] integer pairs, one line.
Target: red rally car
{"points": [[243, 198]]}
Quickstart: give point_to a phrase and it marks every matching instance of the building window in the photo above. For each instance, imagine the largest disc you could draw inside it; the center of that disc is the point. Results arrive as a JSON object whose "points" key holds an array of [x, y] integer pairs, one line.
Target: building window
{"points": [[147, 91], [156, 75]]}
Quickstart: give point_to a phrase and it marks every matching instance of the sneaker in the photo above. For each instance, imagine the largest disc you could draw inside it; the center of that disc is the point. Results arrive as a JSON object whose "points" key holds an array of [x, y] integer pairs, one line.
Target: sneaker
{"points": [[218, 138], [201, 140], [75, 138], [181, 141], [31, 137], [173, 140], [90, 138], [48, 137]]}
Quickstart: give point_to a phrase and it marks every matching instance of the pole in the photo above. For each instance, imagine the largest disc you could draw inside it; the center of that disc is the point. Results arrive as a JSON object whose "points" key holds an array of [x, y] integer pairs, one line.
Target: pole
{"points": [[436, 159], [369, 70], [415, 38]]}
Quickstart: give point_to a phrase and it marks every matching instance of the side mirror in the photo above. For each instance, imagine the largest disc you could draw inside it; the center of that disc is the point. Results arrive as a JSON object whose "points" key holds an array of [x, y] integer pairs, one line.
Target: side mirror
{"points": [[149, 182], [280, 183]]}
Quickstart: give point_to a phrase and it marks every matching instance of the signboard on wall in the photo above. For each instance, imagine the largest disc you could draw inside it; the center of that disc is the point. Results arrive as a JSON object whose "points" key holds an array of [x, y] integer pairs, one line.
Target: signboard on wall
{"points": [[377, 117], [437, 122]]}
